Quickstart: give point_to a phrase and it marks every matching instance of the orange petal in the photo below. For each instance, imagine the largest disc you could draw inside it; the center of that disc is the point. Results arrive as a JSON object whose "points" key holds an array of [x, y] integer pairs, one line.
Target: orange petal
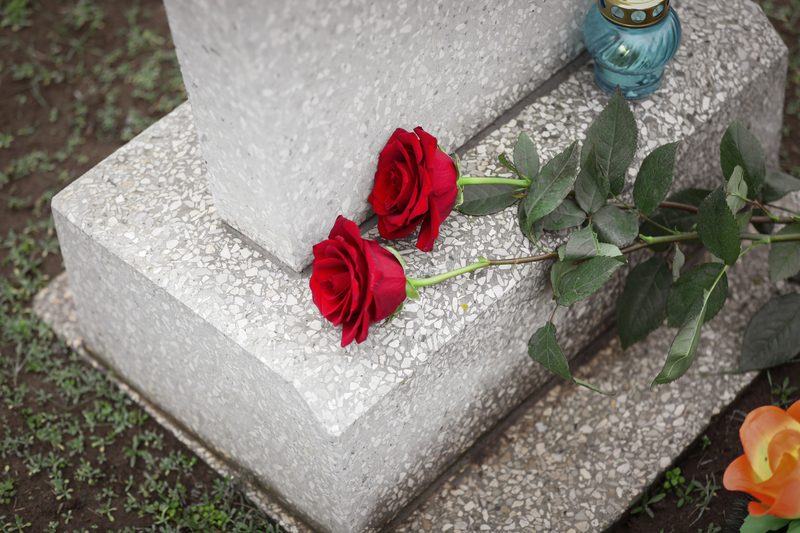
{"points": [[739, 476], [787, 504], [758, 429], [756, 509], [787, 441], [794, 411]]}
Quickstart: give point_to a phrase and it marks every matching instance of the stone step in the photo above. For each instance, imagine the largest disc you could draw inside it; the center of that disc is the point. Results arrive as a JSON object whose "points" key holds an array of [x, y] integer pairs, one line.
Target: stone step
{"points": [[202, 324]]}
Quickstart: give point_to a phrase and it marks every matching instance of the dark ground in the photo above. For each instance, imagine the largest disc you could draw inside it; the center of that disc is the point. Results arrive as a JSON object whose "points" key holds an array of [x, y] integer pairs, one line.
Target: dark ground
{"points": [[77, 80]]}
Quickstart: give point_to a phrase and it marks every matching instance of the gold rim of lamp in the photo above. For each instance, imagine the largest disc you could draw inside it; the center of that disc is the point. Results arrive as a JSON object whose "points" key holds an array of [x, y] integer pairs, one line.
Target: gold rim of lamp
{"points": [[634, 13]]}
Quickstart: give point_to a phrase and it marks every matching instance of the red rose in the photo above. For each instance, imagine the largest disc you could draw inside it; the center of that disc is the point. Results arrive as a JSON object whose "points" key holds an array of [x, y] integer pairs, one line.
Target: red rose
{"points": [[354, 281], [415, 184]]}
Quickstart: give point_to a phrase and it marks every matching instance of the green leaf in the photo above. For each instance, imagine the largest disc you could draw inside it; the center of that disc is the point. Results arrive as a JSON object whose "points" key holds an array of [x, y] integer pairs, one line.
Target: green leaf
{"points": [[779, 184], [773, 335], [743, 220], [582, 244], [566, 215], [688, 291], [488, 198], [737, 190], [655, 178], [592, 185], [586, 279], [794, 527], [717, 227], [609, 250], [526, 158], [615, 137], [552, 184], [615, 226], [532, 230], [681, 354], [677, 263], [505, 162], [740, 147], [642, 306], [784, 257], [543, 348], [762, 524], [558, 271]]}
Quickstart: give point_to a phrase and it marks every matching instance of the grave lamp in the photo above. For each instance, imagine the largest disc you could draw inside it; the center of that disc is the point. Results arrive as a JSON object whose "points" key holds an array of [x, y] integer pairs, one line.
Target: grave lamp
{"points": [[631, 42]]}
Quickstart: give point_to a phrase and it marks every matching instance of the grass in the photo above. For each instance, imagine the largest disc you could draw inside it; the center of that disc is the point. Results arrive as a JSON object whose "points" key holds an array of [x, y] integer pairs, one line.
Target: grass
{"points": [[78, 454]]}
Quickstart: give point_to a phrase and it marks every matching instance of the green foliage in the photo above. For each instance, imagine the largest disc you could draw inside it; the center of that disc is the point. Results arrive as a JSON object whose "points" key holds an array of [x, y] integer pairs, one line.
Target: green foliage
{"points": [[486, 199], [615, 226], [784, 392], [552, 184], [592, 185], [614, 137], [646, 502], [526, 158], [543, 348], [717, 227], [581, 245], [779, 184], [737, 191], [784, 257], [773, 335], [566, 215], [586, 279], [689, 290], [655, 178], [642, 306], [673, 479], [741, 148], [763, 524], [7, 490], [15, 13]]}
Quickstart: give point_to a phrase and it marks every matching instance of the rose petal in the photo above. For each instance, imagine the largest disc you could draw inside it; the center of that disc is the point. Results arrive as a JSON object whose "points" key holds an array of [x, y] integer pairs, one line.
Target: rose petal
{"points": [[785, 442], [387, 281], [760, 426], [787, 504], [794, 411], [739, 476], [757, 509]]}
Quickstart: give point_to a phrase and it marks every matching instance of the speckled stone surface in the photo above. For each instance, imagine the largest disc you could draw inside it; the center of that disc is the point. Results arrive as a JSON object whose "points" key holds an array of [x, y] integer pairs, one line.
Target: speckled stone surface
{"points": [[293, 99], [207, 328]]}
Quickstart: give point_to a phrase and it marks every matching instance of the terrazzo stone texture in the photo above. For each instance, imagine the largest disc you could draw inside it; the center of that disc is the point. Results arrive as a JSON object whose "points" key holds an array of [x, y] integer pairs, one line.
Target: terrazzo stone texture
{"points": [[294, 99], [229, 344], [577, 460]]}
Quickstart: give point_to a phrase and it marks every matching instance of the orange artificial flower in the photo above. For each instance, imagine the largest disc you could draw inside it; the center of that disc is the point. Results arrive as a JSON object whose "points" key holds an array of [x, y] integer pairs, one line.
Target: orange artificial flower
{"points": [[769, 469]]}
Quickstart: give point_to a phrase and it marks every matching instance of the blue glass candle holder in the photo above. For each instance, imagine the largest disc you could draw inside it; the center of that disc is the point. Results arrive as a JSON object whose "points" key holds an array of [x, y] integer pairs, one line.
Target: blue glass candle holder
{"points": [[631, 42]]}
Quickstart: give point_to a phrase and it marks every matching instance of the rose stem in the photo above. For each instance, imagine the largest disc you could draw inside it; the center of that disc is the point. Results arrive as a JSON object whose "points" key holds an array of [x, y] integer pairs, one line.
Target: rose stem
{"points": [[487, 180], [649, 241], [693, 209]]}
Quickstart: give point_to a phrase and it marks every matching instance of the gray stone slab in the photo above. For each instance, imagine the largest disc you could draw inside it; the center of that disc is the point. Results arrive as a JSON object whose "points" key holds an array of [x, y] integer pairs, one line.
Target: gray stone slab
{"points": [[228, 343], [293, 99]]}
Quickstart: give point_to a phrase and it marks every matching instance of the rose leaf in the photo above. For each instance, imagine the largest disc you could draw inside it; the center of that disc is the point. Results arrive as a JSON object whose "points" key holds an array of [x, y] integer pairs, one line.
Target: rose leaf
{"points": [[642, 306], [526, 158], [487, 199], [655, 178], [586, 279], [688, 290], [543, 348], [552, 184], [784, 257], [615, 226], [742, 148], [615, 137], [773, 335], [592, 185], [717, 227]]}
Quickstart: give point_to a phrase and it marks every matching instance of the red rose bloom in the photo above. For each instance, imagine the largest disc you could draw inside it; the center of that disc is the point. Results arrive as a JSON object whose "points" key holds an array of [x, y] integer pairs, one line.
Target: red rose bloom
{"points": [[355, 281], [415, 184]]}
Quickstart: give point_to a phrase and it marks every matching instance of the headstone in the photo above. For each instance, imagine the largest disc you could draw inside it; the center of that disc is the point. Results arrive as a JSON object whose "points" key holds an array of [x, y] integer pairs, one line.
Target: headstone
{"points": [[294, 99]]}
